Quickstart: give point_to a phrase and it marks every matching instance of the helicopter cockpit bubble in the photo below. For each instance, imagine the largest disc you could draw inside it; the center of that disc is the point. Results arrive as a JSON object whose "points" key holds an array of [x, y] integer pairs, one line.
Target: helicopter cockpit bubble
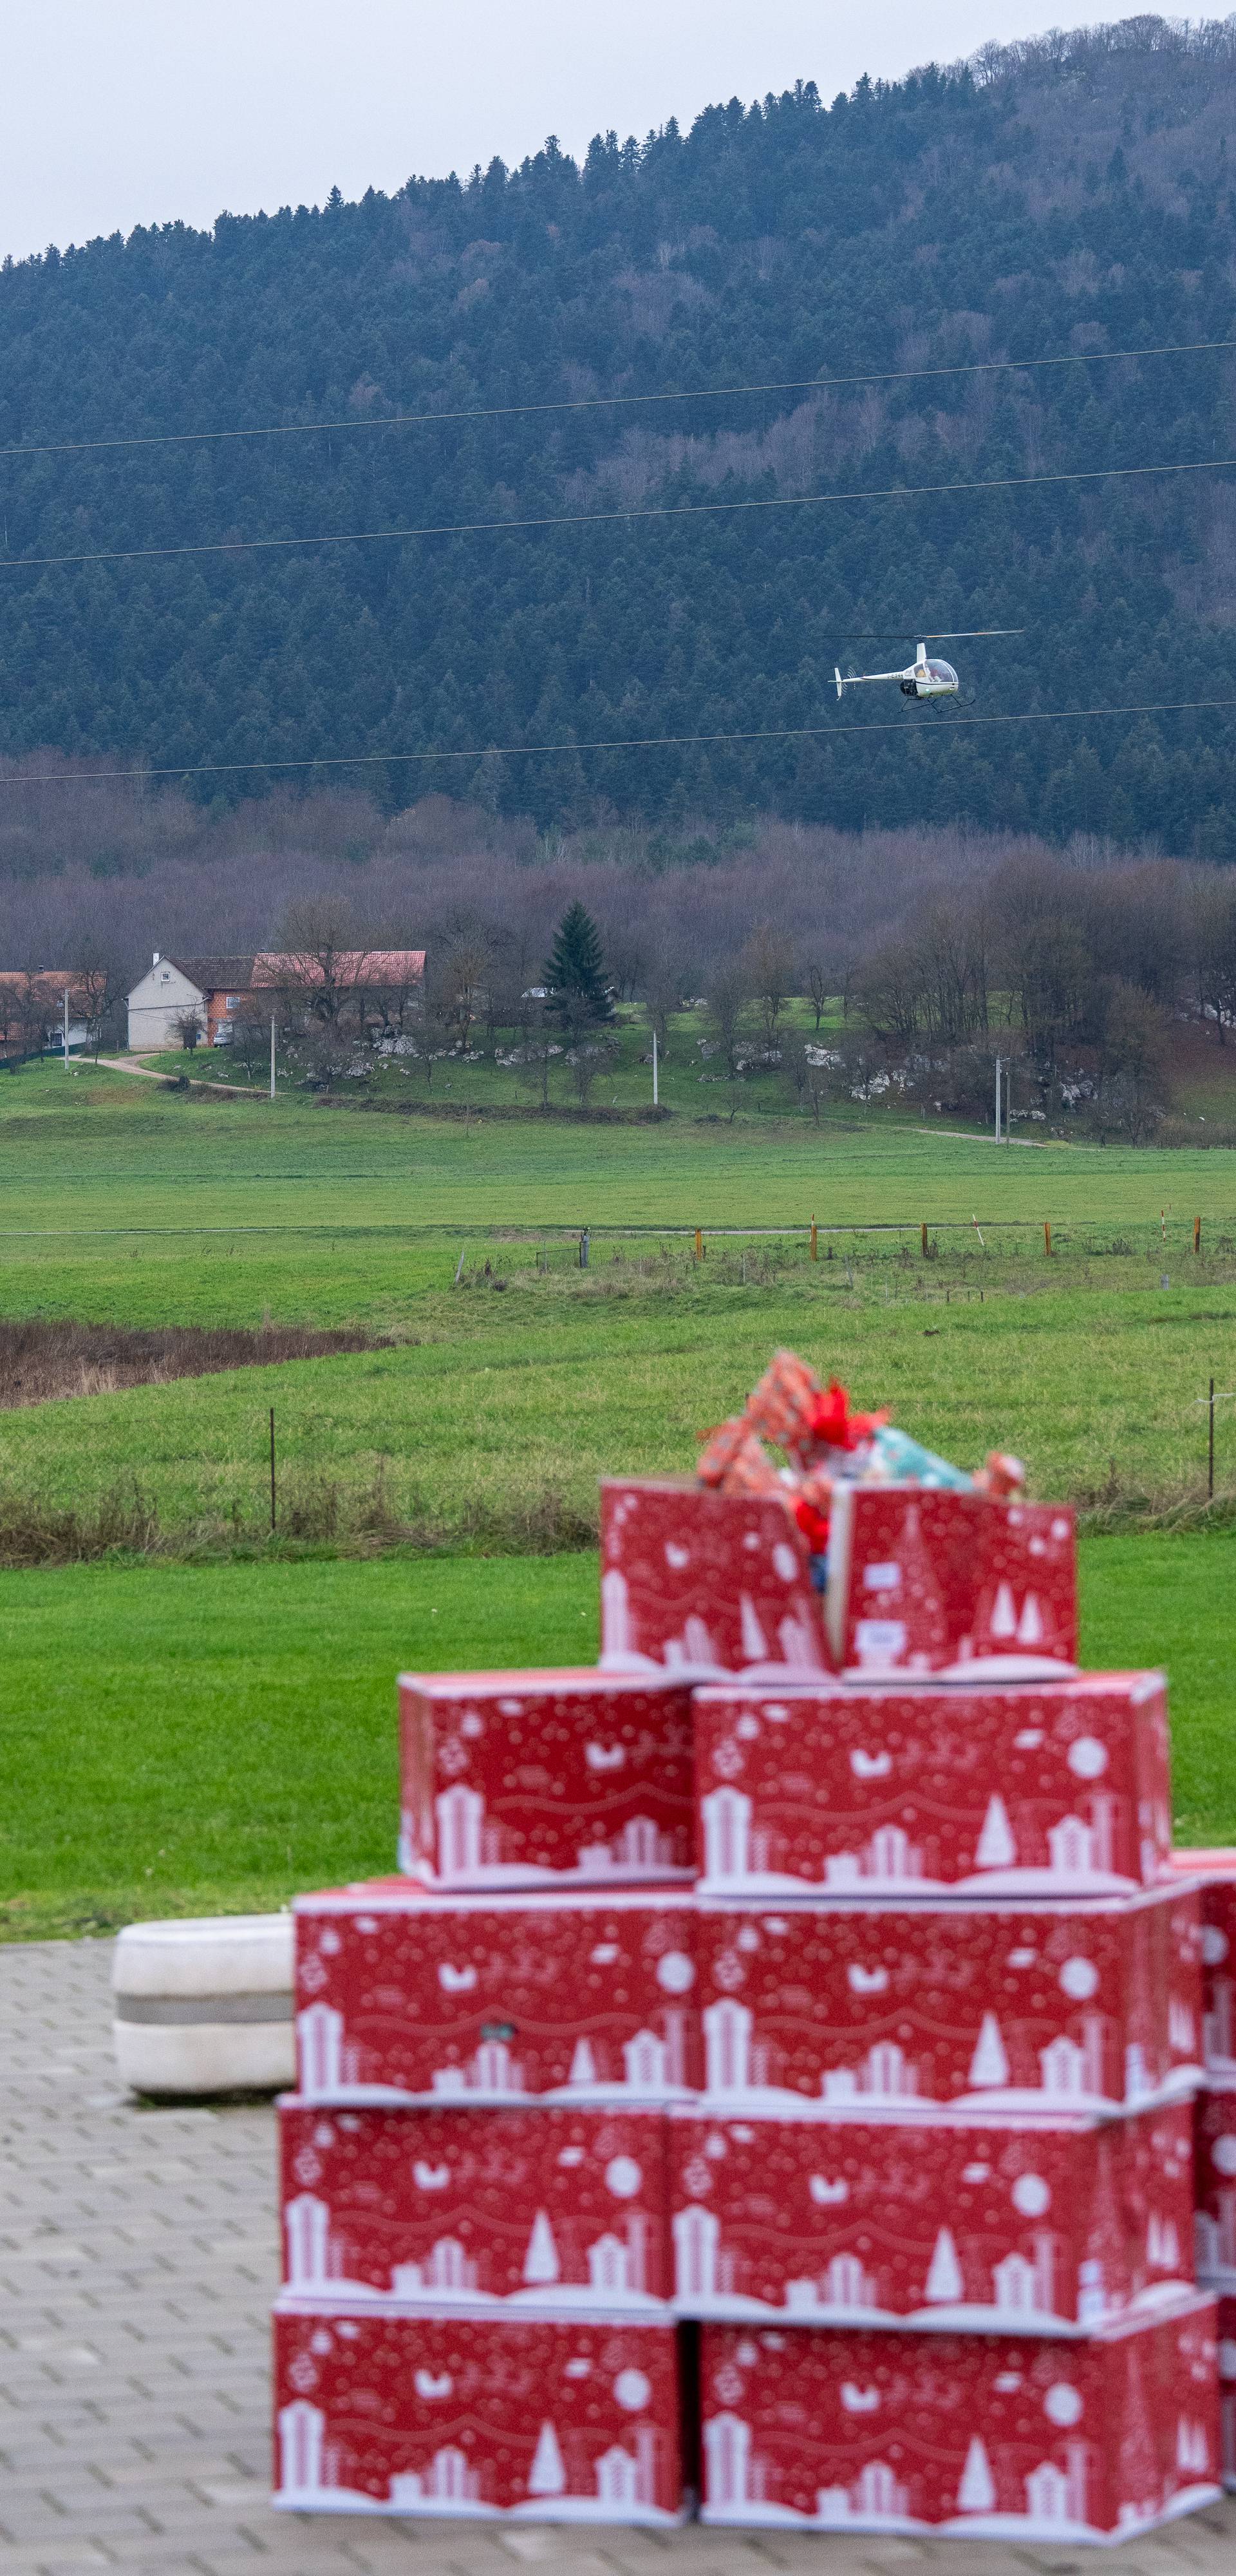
{"points": [[929, 679]]}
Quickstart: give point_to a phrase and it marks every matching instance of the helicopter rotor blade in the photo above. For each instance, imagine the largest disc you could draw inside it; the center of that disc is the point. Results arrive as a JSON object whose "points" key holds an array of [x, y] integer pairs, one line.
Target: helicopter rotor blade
{"points": [[954, 635], [959, 633]]}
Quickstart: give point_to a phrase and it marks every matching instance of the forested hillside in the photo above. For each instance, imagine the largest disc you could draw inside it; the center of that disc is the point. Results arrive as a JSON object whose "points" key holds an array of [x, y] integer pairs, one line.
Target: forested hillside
{"points": [[1067, 198]]}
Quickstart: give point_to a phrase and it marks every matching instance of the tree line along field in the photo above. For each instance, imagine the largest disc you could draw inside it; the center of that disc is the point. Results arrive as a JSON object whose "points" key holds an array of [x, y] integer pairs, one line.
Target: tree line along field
{"points": [[860, 1083], [214, 1707]]}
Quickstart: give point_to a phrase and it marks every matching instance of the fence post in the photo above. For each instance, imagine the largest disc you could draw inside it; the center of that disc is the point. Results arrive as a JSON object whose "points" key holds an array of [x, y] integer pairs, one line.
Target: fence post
{"points": [[1197, 1234], [924, 1243], [1047, 1239], [272, 1467], [699, 1244], [583, 1249], [1210, 1471], [815, 1241]]}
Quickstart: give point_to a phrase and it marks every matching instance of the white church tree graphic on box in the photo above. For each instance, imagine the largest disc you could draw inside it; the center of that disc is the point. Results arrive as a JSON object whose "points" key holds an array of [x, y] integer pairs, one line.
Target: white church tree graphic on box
{"points": [[738, 1850], [469, 1848], [739, 2487], [1078, 2072], [792, 1640], [615, 2274], [710, 2281], [624, 2480], [653, 2066]]}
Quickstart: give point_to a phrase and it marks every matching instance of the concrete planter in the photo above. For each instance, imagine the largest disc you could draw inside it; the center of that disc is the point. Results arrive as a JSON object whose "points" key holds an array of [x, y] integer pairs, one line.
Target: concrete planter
{"points": [[205, 2006]]}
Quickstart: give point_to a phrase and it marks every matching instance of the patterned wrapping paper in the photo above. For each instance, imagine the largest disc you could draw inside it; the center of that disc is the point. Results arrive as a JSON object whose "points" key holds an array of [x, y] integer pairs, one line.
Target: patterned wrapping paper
{"points": [[699, 1583], [476, 2416], [1043, 1788], [514, 1779], [537, 2207], [1093, 2004], [1215, 1871], [404, 1995], [1227, 2390], [989, 2434], [923, 1581], [919, 1580], [1016, 2223], [1214, 2139]]}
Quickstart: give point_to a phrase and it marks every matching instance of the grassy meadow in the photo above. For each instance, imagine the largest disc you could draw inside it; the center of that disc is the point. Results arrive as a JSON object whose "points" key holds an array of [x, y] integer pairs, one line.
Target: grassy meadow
{"points": [[209, 1738], [205, 1714]]}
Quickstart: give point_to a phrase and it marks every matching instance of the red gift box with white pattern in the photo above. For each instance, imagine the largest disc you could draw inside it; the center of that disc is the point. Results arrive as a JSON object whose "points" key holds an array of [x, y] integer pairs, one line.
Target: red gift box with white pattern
{"points": [[922, 1579], [698, 1582], [408, 1995], [516, 1778], [476, 2416], [1043, 1788], [447, 2206], [999, 2435], [1227, 2390], [1092, 2004], [1217, 1871], [1214, 2136], [1013, 2223]]}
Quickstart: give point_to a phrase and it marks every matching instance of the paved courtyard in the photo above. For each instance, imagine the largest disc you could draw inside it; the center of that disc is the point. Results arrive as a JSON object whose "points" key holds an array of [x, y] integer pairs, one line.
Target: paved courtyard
{"points": [[137, 2260]]}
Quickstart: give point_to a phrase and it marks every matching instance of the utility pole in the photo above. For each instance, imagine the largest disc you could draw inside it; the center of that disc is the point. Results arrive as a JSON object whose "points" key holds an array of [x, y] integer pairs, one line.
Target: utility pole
{"points": [[272, 1055], [655, 1100]]}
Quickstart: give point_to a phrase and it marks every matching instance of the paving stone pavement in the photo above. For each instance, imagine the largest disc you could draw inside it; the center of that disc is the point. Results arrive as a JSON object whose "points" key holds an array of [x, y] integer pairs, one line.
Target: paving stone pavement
{"points": [[138, 2253]]}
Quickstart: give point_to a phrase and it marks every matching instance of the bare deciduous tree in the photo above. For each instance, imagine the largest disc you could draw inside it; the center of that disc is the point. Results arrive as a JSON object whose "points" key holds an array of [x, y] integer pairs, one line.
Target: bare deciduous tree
{"points": [[190, 1028], [768, 962], [1213, 942], [322, 959], [729, 992], [819, 983]]}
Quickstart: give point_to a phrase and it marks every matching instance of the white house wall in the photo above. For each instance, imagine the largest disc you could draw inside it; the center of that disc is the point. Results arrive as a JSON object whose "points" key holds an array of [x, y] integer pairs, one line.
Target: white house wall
{"points": [[155, 1005]]}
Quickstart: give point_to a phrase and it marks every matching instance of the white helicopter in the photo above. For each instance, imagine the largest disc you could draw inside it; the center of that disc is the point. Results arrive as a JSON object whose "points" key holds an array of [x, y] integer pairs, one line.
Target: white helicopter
{"points": [[925, 677]]}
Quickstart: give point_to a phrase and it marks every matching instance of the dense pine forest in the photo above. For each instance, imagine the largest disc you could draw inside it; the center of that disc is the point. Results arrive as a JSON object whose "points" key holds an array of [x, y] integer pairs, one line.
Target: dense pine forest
{"points": [[1060, 199]]}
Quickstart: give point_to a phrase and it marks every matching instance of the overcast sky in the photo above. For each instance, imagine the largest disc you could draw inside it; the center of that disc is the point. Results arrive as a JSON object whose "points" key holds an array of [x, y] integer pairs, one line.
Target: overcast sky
{"points": [[119, 112]]}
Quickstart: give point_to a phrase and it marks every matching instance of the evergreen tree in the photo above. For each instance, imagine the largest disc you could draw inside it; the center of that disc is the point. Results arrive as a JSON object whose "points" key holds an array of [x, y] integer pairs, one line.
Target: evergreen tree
{"points": [[576, 988]]}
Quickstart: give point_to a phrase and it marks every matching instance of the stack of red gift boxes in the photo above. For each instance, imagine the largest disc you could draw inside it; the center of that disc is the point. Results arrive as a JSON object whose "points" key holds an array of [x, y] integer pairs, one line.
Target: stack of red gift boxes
{"points": [[477, 2317], [773, 2072], [1215, 2121]]}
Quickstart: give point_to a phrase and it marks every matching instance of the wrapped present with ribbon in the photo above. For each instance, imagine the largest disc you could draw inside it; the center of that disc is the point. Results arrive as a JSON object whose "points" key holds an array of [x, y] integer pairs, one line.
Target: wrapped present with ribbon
{"points": [[825, 1443], [814, 1537]]}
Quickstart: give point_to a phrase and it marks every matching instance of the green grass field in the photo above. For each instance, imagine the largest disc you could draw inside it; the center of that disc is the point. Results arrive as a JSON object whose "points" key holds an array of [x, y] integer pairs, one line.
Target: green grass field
{"points": [[196, 1739], [214, 1723], [490, 1425], [105, 1152]]}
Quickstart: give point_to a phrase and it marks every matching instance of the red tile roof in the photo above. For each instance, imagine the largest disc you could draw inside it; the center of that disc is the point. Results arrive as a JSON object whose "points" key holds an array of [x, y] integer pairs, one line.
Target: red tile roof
{"points": [[361, 966]]}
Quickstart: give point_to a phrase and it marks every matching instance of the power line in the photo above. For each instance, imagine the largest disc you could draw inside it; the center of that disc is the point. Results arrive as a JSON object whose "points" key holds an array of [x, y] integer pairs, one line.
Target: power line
{"points": [[606, 518], [635, 742], [615, 402]]}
